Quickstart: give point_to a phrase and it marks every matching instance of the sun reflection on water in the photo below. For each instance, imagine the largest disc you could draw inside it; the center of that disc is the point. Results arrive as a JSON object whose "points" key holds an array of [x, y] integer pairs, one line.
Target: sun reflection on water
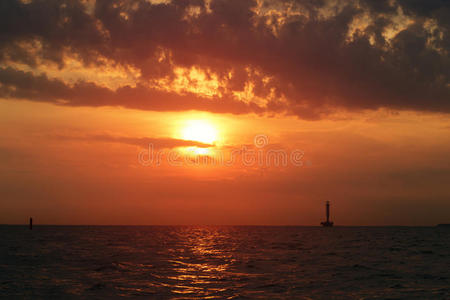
{"points": [[207, 263]]}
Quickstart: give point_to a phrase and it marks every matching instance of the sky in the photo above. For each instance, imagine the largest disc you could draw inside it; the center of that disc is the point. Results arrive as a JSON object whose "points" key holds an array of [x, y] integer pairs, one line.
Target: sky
{"points": [[227, 112]]}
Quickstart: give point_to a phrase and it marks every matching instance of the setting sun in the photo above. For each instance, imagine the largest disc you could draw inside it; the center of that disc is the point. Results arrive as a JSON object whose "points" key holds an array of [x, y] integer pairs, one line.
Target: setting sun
{"points": [[200, 131]]}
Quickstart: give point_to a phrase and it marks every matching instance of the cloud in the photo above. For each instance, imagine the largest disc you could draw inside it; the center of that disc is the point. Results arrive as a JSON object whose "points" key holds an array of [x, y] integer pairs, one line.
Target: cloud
{"points": [[25, 85], [158, 143], [301, 57]]}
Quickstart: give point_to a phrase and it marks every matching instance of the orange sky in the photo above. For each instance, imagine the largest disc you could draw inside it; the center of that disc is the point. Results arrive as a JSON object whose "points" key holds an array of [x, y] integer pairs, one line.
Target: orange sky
{"points": [[78, 106], [377, 168]]}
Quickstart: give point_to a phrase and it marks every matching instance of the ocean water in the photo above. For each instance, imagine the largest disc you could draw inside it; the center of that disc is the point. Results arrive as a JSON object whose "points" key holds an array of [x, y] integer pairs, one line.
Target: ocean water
{"points": [[224, 262]]}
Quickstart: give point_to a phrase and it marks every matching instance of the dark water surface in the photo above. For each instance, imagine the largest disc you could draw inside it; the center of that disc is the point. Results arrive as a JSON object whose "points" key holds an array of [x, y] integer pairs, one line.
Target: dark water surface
{"points": [[183, 262]]}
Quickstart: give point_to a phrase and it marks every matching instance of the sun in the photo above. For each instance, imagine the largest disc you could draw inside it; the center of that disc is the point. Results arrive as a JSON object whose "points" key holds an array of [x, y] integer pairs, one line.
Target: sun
{"points": [[200, 131]]}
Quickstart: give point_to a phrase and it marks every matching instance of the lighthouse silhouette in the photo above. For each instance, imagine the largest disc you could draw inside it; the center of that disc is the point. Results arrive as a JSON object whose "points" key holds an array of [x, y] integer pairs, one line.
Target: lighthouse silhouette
{"points": [[327, 223]]}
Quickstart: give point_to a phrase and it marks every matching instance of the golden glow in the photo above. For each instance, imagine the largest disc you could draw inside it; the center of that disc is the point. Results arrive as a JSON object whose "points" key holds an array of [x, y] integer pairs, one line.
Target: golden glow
{"points": [[200, 130], [199, 151]]}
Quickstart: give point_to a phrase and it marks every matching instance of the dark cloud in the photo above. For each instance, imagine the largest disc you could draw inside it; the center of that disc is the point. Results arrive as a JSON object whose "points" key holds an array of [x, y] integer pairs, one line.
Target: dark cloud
{"points": [[307, 63], [51, 26], [25, 85]]}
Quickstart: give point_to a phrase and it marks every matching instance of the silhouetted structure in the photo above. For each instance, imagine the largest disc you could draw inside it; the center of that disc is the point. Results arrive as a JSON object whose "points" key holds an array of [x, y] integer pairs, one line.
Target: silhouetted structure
{"points": [[31, 223], [327, 223]]}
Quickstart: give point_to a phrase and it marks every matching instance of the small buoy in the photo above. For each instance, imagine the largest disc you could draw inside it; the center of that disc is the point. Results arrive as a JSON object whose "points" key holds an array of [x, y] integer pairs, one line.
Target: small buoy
{"points": [[31, 223]]}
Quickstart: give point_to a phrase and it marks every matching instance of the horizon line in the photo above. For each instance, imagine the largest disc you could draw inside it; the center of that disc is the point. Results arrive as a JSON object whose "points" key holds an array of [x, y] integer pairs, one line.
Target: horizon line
{"points": [[223, 225]]}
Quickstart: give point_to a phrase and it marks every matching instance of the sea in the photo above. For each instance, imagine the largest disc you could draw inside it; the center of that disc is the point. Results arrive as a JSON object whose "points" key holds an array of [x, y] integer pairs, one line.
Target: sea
{"points": [[224, 262]]}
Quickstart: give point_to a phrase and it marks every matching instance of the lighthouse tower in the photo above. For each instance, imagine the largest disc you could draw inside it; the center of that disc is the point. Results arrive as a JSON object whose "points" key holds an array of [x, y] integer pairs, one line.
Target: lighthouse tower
{"points": [[327, 223]]}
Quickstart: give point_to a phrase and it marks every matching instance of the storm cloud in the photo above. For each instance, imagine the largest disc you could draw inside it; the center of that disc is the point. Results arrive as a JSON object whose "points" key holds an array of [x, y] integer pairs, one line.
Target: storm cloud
{"points": [[306, 58]]}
